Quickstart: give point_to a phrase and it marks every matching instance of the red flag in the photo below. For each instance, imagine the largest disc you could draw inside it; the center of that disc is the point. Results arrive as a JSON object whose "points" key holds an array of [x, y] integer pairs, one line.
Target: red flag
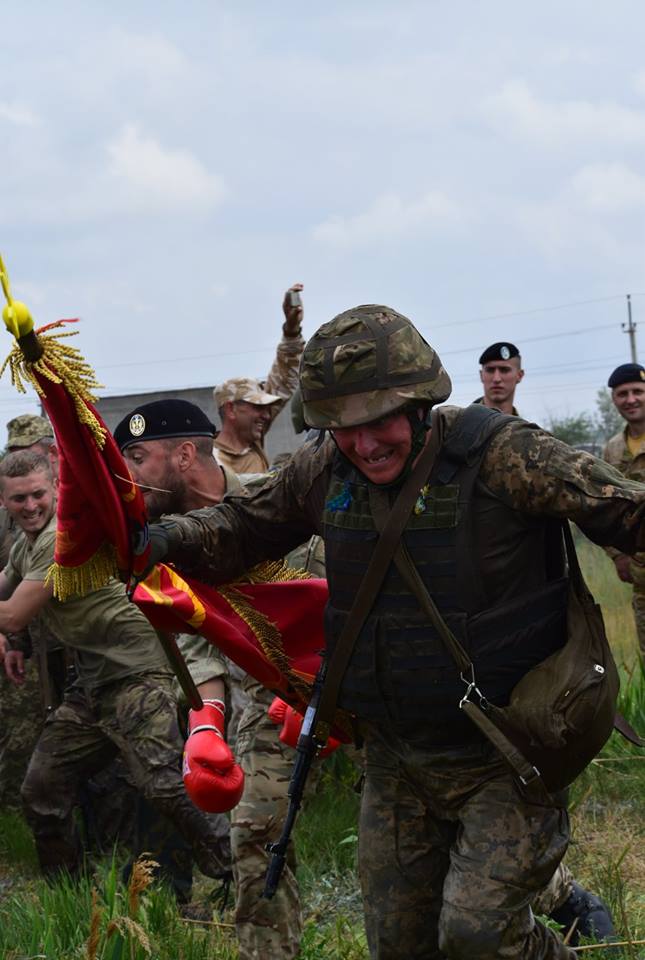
{"points": [[273, 630]]}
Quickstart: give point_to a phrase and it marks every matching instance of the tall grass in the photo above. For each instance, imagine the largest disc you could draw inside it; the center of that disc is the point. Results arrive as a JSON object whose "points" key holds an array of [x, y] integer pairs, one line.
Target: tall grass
{"points": [[98, 918]]}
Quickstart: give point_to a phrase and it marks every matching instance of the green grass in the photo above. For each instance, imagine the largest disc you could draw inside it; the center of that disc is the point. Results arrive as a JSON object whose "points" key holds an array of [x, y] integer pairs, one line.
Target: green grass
{"points": [[608, 803]]}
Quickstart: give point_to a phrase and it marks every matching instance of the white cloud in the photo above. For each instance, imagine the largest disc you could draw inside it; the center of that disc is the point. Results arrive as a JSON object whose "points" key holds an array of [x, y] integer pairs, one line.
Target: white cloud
{"points": [[609, 188], [18, 114], [517, 109], [161, 178], [389, 218]]}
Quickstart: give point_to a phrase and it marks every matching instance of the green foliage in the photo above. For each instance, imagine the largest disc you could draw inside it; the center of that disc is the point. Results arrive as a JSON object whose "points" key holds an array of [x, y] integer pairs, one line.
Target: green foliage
{"points": [[16, 840], [608, 420], [324, 831], [588, 428], [579, 428], [54, 922], [340, 940]]}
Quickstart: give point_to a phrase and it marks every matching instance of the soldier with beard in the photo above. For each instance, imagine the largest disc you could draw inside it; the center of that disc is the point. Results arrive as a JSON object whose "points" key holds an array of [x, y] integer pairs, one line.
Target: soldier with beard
{"points": [[167, 445]]}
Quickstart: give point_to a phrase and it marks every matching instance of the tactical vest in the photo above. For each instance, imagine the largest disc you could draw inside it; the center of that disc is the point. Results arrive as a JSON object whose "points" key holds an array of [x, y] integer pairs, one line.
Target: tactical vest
{"points": [[496, 576]]}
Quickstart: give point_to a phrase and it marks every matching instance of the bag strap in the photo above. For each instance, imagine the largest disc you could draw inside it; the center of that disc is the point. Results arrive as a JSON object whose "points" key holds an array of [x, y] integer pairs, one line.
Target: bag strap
{"points": [[575, 573], [386, 544], [527, 773]]}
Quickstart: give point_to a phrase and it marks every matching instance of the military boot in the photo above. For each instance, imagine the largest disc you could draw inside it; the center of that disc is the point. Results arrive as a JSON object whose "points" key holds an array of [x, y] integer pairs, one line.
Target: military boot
{"points": [[593, 917]]}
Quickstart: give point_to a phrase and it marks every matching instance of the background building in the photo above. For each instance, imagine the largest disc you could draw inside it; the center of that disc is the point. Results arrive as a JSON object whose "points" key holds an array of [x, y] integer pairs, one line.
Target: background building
{"points": [[280, 439]]}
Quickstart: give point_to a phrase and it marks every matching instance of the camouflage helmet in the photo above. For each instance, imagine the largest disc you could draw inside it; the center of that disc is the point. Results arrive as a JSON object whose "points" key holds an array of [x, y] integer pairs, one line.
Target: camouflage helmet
{"points": [[366, 363]]}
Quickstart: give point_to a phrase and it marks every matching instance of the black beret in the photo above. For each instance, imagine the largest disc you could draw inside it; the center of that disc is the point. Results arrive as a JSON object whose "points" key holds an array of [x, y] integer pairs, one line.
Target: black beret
{"points": [[499, 351], [626, 373], [161, 419]]}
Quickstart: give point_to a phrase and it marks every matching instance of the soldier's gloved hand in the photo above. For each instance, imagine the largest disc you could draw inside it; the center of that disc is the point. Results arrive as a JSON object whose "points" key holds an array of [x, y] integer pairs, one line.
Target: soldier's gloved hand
{"points": [[161, 537], [213, 780], [291, 721], [159, 542]]}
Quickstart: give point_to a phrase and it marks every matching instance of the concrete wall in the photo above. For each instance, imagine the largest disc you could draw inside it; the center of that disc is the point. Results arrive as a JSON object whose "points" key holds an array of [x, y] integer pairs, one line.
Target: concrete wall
{"points": [[281, 437]]}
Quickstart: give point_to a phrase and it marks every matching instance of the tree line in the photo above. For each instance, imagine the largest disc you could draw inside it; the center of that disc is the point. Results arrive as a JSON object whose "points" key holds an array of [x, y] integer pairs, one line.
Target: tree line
{"points": [[593, 429]]}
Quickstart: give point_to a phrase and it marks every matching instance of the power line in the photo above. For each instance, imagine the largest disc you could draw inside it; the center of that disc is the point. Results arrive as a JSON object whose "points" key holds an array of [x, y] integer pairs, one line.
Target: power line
{"points": [[548, 336], [526, 313]]}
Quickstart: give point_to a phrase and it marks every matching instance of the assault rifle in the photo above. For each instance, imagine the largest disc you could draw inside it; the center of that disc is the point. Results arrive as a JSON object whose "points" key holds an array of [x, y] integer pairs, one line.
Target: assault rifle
{"points": [[306, 750]]}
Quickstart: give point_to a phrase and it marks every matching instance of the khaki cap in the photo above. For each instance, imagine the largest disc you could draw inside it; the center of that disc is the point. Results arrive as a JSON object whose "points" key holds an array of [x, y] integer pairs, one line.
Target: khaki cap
{"points": [[243, 388], [27, 429]]}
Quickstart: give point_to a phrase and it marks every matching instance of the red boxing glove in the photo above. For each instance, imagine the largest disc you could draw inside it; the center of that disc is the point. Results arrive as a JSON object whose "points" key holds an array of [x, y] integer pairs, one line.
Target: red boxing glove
{"points": [[281, 713], [213, 780]]}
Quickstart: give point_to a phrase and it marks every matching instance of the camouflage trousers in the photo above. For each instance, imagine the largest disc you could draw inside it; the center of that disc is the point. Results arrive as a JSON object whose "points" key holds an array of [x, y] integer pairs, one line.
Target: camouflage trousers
{"points": [[21, 721], [451, 855], [137, 718], [265, 928]]}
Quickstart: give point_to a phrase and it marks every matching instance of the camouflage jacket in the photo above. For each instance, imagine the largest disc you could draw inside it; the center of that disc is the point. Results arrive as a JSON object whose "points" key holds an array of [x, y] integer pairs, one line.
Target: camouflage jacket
{"points": [[282, 382], [617, 453], [524, 466]]}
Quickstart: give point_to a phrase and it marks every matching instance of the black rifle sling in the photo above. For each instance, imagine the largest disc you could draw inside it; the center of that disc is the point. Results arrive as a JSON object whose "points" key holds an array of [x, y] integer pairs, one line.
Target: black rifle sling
{"points": [[384, 550], [524, 769]]}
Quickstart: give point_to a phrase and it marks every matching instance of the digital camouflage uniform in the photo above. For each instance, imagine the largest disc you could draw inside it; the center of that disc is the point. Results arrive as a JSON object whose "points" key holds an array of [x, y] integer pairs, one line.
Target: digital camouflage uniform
{"points": [[451, 851], [617, 453], [121, 703], [280, 383]]}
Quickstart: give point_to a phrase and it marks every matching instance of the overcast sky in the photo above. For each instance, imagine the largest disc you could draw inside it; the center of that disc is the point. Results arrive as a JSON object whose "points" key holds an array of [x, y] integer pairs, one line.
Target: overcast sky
{"points": [[168, 169]]}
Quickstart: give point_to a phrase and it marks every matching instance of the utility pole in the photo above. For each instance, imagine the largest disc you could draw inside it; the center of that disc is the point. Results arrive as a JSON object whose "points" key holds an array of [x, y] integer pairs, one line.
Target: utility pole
{"points": [[630, 328]]}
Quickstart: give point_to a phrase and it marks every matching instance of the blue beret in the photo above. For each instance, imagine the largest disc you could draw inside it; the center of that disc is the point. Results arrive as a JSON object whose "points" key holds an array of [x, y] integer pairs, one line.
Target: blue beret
{"points": [[626, 373], [499, 351], [161, 419]]}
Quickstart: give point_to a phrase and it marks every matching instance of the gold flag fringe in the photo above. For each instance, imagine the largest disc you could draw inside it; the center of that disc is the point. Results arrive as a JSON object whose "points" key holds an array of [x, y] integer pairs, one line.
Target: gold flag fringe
{"points": [[62, 364], [69, 582], [266, 632]]}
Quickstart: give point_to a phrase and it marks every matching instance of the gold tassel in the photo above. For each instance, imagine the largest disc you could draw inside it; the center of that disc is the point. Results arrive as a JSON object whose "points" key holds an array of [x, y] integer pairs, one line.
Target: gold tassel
{"points": [[263, 629], [68, 582], [267, 635], [62, 364]]}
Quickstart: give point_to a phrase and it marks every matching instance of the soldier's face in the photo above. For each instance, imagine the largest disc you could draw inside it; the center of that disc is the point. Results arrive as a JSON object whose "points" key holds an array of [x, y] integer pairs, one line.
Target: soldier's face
{"points": [[250, 420], [500, 378], [379, 449], [30, 500], [153, 465], [629, 400]]}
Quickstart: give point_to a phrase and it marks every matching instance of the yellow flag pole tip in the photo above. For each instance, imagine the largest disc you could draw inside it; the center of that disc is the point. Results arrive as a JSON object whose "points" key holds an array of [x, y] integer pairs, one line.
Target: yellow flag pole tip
{"points": [[17, 318]]}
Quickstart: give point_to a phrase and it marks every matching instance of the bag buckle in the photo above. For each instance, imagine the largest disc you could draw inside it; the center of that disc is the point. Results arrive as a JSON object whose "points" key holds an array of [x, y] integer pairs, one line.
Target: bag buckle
{"points": [[536, 775], [471, 684]]}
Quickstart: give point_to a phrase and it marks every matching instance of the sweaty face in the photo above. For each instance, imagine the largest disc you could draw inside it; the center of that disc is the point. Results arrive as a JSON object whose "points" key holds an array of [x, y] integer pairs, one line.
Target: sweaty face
{"points": [[30, 500], [251, 421], [153, 465], [379, 449], [500, 378], [629, 400]]}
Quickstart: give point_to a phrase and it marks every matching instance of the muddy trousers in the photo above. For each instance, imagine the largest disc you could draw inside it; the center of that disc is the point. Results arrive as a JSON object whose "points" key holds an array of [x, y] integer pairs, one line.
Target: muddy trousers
{"points": [[451, 855], [135, 717]]}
